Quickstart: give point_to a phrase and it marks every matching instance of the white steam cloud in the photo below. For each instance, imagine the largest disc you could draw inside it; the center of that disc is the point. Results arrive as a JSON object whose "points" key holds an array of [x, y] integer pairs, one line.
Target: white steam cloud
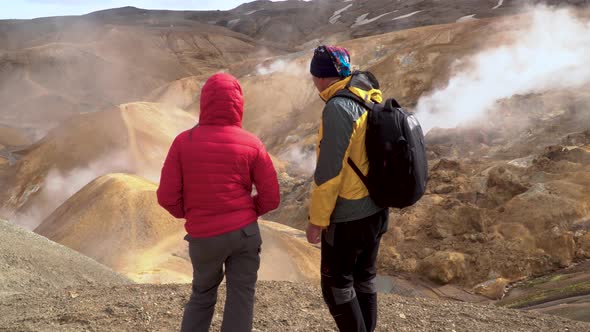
{"points": [[59, 187], [300, 159], [281, 66], [552, 53]]}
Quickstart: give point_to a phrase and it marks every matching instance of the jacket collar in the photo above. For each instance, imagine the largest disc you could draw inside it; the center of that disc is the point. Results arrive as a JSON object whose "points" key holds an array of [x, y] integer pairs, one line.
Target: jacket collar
{"points": [[333, 88], [361, 84]]}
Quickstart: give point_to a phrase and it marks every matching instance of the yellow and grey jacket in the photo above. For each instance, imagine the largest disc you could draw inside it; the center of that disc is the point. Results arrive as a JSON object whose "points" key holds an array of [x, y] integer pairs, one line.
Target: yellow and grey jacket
{"points": [[338, 194]]}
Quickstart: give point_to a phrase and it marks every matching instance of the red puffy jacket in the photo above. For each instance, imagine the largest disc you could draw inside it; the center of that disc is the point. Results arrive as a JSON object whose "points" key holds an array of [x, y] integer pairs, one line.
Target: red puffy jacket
{"points": [[208, 174]]}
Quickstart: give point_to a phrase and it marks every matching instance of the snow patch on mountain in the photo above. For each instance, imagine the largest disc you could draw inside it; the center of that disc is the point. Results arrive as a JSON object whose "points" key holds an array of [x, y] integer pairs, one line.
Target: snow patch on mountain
{"points": [[500, 3], [406, 16], [467, 18], [362, 20], [233, 23], [337, 14]]}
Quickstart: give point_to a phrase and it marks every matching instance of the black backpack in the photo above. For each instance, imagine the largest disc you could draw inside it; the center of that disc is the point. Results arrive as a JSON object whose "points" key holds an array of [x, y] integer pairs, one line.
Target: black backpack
{"points": [[398, 168]]}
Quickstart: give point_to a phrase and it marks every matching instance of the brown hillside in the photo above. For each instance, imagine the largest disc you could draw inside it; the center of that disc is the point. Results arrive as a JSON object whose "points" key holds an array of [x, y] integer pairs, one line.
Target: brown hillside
{"points": [[58, 67], [13, 137], [110, 218], [130, 138], [183, 94], [29, 263], [117, 221]]}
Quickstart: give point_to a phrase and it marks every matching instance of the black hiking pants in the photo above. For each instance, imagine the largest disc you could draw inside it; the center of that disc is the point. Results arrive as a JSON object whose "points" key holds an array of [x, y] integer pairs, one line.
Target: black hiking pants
{"points": [[349, 252], [239, 253]]}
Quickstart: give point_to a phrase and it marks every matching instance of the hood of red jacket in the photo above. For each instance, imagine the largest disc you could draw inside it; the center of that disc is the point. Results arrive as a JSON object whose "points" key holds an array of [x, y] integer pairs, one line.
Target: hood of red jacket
{"points": [[222, 101]]}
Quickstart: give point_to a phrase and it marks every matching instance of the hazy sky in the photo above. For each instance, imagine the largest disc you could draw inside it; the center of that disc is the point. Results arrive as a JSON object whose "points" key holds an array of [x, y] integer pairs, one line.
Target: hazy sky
{"points": [[24, 9]]}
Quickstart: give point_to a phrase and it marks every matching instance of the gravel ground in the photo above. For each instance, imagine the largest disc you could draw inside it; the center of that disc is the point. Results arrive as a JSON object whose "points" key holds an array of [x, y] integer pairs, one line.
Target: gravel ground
{"points": [[31, 262], [280, 306]]}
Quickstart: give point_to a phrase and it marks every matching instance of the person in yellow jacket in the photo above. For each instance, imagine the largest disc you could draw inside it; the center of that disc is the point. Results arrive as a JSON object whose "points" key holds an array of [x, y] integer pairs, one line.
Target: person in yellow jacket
{"points": [[342, 216]]}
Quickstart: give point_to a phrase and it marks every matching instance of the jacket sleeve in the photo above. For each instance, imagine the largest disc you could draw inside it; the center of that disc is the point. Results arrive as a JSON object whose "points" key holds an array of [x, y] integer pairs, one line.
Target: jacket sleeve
{"points": [[170, 190], [265, 179], [337, 128]]}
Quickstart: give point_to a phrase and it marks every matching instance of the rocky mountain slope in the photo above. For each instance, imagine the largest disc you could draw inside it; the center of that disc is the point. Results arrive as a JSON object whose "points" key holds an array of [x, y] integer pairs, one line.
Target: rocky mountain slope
{"points": [[294, 23], [507, 196], [523, 196]]}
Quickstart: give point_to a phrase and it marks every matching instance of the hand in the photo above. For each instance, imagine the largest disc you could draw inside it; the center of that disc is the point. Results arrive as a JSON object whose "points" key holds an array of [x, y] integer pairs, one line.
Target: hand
{"points": [[313, 233]]}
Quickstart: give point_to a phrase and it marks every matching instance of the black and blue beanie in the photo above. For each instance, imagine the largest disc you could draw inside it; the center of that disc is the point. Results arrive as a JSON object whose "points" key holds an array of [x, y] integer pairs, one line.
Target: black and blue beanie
{"points": [[330, 61]]}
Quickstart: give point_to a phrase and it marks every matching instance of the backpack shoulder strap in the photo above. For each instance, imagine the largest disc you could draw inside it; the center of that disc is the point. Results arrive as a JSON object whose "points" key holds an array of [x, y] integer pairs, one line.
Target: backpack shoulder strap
{"points": [[394, 103], [369, 106], [358, 172]]}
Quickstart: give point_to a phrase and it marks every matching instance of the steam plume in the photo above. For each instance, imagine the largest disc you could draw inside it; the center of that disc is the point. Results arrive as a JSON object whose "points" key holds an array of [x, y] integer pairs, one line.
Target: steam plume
{"points": [[552, 53], [60, 186]]}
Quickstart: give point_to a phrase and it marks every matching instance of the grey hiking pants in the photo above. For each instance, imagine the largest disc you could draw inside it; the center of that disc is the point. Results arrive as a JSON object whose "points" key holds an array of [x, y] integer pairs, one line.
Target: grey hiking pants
{"points": [[239, 253]]}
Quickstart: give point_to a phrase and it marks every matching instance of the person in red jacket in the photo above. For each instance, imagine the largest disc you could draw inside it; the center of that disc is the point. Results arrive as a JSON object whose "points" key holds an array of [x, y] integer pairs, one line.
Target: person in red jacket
{"points": [[207, 179]]}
